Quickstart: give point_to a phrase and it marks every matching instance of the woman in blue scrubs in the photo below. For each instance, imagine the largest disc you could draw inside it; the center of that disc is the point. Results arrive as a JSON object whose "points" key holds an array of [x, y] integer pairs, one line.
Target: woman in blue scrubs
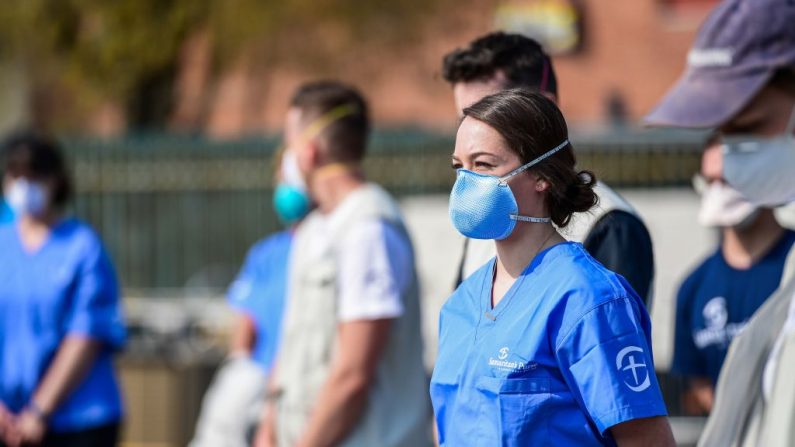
{"points": [[60, 316], [543, 344]]}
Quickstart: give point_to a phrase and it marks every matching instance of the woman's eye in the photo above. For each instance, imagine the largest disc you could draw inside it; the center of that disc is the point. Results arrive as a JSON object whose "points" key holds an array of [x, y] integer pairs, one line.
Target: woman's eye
{"points": [[483, 165], [457, 166]]}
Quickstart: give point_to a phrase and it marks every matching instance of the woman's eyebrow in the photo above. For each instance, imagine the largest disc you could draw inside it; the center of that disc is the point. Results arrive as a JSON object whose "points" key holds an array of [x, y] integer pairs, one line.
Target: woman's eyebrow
{"points": [[482, 154]]}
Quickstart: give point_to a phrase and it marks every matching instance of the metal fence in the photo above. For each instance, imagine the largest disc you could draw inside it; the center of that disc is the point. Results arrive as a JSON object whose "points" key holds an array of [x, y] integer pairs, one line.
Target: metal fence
{"points": [[178, 211]]}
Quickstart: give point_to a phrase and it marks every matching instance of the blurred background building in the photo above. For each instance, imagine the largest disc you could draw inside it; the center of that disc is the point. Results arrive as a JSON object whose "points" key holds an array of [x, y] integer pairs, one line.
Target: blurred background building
{"points": [[226, 68]]}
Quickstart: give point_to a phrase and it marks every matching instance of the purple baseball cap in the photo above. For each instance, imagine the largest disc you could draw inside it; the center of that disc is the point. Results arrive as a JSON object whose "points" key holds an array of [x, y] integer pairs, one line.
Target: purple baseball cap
{"points": [[737, 50]]}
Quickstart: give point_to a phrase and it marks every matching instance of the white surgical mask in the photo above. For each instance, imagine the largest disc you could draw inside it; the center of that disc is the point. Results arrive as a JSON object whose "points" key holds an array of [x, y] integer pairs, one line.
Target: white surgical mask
{"points": [[26, 197], [291, 174], [762, 169], [723, 206]]}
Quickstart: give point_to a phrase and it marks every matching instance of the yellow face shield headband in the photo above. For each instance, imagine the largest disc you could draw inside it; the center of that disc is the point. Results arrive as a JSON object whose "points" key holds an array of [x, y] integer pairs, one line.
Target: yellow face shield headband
{"points": [[315, 128]]}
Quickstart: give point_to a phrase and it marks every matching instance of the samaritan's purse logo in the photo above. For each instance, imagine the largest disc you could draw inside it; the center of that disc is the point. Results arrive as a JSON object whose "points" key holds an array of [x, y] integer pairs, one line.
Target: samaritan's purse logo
{"points": [[503, 364], [633, 382]]}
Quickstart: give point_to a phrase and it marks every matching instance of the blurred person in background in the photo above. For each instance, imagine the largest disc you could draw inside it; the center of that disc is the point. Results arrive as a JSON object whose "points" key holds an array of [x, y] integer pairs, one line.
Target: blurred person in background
{"points": [[6, 215], [61, 320], [349, 369], [612, 232], [740, 80], [716, 300], [232, 405], [542, 344]]}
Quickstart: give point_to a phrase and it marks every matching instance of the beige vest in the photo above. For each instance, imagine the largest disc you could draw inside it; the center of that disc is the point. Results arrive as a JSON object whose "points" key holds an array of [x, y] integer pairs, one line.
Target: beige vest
{"points": [[398, 408]]}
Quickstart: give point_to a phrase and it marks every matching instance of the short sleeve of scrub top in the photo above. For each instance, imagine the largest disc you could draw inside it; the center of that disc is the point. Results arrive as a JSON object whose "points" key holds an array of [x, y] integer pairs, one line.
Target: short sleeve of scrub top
{"points": [[606, 359], [96, 312]]}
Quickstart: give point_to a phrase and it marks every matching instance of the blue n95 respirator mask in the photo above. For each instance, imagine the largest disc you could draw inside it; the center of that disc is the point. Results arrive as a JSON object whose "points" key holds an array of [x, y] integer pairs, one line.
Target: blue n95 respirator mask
{"points": [[484, 207]]}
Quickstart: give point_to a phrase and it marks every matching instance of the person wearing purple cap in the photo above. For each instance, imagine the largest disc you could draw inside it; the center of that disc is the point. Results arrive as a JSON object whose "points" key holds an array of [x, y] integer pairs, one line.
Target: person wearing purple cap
{"points": [[740, 80]]}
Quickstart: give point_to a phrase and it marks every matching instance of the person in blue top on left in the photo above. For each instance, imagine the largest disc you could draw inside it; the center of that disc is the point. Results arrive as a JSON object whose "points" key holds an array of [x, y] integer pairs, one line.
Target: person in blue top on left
{"points": [[61, 321], [543, 344]]}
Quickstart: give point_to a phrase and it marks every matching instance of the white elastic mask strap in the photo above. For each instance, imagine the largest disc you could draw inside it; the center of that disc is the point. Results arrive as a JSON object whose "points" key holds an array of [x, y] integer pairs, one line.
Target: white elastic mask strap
{"points": [[291, 173], [520, 169], [530, 219]]}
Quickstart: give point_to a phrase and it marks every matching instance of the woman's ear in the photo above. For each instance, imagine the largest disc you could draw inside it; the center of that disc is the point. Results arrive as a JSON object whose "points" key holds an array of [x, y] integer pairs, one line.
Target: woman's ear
{"points": [[541, 184]]}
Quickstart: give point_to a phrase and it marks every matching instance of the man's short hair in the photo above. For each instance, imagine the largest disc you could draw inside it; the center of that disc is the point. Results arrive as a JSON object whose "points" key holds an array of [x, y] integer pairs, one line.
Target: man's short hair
{"points": [[520, 58], [784, 79], [345, 136]]}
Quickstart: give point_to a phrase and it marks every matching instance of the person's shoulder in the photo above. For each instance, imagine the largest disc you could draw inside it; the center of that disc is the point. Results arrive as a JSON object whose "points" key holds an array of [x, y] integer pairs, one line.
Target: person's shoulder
{"points": [[77, 232], [708, 266], [788, 240], [374, 230], [468, 293], [580, 284], [576, 271], [274, 241]]}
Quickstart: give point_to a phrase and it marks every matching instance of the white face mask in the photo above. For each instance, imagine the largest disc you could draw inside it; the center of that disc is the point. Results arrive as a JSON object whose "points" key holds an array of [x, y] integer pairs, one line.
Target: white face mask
{"points": [[26, 197], [762, 169], [291, 174], [723, 206]]}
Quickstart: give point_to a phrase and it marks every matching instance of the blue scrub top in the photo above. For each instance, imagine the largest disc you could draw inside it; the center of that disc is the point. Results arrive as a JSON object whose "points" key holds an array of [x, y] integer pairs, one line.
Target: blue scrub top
{"points": [[564, 356], [66, 288], [715, 303], [259, 291]]}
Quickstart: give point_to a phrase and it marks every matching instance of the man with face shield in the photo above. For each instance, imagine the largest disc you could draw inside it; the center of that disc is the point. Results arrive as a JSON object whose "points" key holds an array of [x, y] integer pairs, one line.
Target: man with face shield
{"points": [[349, 369], [716, 300], [740, 80]]}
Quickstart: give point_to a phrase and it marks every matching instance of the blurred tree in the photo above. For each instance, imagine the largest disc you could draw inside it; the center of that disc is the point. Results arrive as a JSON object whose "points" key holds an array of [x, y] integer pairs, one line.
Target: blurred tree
{"points": [[82, 54]]}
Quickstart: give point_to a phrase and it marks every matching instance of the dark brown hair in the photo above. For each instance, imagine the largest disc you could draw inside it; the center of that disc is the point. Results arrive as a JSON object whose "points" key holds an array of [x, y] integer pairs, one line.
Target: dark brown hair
{"points": [[784, 79], [531, 124], [520, 58], [31, 155], [345, 138]]}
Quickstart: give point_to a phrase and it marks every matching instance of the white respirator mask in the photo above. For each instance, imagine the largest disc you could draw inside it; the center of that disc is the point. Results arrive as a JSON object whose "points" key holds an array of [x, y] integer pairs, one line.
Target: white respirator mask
{"points": [[26, 197]]}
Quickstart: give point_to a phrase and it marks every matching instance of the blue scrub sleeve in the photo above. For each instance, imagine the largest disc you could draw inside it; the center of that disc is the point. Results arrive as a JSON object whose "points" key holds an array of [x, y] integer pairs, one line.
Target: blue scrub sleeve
{"points": [[96, 310], [687, 360], [606, 360], [240, 291], [621, 242]]}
